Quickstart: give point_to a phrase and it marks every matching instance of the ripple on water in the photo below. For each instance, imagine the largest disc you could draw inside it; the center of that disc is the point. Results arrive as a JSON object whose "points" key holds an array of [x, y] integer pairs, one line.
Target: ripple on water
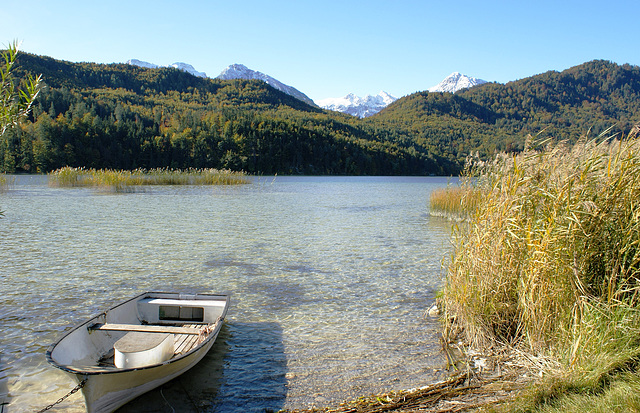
{"points": [[329, 281]]}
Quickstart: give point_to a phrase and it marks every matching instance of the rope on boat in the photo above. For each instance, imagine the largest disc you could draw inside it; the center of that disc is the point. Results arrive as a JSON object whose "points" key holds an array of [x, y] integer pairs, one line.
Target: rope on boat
{"points": [[63, 398]]}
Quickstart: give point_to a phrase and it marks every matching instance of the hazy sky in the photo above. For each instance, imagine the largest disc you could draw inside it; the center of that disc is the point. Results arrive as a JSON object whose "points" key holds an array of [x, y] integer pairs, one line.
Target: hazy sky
{"points": [[329, 48]]}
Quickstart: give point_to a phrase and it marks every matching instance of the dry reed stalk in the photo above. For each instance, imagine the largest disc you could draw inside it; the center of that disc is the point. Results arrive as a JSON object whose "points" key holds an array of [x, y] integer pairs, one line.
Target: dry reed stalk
{"points": [[4, 181], [455, 201]]}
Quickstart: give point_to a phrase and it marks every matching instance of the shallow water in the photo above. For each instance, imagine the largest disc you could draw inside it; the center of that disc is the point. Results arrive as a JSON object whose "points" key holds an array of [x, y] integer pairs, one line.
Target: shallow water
{"points": [[329, 278]]}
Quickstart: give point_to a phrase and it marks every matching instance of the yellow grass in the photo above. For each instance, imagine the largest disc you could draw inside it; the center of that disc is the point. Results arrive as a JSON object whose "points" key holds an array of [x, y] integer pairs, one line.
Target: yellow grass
{"points": [[120, 180], [549, 263], [455, 200]]}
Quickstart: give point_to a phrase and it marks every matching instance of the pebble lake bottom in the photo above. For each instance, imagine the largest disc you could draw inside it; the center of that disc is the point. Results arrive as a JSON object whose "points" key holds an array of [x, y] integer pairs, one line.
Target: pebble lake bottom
{"points": [[330, 279]]}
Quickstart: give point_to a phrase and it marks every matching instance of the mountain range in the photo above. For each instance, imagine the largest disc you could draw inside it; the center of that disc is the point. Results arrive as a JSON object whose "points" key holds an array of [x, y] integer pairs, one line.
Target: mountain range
{"points": [[370, 105], [120, 116], [185, 67], [235, 71], [357, 106], [238, 71], [351, 104]]}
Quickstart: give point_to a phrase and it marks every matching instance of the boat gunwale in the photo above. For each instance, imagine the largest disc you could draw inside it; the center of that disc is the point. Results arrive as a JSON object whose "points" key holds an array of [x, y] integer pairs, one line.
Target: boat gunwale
{"points": [[83, 370]]}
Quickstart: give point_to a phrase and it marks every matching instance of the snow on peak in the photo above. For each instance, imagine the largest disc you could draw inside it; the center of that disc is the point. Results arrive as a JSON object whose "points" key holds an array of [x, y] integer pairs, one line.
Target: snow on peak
{"points": [[239, 71], [358, 106], [140, 63], [235, 71], [387, 98], [456, 81], [188, 68], [178, 65]]}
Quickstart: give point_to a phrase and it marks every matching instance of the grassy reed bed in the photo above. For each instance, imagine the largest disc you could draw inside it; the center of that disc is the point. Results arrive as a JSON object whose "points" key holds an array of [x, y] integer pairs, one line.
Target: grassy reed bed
{"points": [[455, 200], [121, 180], [6, 181], [549, 264]]}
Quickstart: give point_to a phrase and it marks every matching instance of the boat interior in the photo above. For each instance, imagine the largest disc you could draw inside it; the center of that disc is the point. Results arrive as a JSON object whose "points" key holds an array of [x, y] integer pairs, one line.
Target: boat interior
{"points": [[167, 328], [145, 331], [182, 342]]}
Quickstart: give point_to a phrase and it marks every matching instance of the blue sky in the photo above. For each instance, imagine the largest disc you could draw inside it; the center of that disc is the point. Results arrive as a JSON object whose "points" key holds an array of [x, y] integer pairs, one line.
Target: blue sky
{"points": [[330, 48]]}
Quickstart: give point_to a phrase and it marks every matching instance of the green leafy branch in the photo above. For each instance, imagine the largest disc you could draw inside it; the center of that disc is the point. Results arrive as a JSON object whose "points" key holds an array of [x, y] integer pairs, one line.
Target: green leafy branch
{"points": [[15, 99]]}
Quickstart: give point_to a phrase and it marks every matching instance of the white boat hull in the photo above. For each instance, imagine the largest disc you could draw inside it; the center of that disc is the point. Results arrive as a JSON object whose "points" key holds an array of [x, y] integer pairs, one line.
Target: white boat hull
{"points": [[107, 392], [108, 388]]}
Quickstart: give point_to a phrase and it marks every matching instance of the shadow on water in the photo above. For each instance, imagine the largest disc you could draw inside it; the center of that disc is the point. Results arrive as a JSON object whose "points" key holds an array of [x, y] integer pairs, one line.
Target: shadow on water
{"points": [[244, 372]]}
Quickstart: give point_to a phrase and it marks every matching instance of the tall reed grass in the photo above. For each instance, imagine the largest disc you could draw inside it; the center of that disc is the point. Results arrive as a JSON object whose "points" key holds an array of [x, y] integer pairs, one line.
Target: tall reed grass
{"points": [[5, 183], [455, 200], [549, 260], [121, 180]]}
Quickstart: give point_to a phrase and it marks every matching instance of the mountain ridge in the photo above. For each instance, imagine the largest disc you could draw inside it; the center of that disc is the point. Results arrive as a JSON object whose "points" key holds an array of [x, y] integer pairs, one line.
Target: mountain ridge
{"points": [[356, 105], [239, 71], [121, 116], [234, 71], [456, 81], [350, 104], [185, 67], [370, 105]]}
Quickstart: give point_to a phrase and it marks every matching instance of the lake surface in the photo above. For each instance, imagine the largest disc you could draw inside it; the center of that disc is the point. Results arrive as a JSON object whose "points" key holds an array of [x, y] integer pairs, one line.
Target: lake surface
{"points": [[329, 277]]}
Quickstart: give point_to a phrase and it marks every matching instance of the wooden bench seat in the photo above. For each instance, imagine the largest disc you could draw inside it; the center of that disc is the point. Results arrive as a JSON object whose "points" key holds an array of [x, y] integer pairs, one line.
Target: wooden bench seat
{"points": [[185, 337], [148, 328], [183, 343]]}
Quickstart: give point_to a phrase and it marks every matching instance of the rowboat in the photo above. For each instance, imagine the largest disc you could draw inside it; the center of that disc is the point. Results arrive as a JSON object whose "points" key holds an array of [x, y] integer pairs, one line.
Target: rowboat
{"points": [[138, 345]]}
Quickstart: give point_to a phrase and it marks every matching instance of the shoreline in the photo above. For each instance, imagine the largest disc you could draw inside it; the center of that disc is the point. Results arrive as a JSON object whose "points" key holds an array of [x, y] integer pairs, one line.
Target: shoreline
{"points": [[480, 380], [462, 392]]}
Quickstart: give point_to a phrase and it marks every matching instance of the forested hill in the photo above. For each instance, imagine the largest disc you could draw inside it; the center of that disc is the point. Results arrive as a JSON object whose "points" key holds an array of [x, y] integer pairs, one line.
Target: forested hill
{"points": [[126, 117], [148, 82], [584, 100]]}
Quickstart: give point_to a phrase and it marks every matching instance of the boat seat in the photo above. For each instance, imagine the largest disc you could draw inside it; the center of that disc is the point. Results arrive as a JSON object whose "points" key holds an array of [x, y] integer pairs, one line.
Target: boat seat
{"points": [[183, 343], [138, 349], [145, 328]]}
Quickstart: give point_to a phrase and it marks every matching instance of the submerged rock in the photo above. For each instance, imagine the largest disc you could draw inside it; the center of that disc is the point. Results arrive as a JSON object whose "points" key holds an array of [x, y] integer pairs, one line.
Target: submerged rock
{"points": [[434, 311]]}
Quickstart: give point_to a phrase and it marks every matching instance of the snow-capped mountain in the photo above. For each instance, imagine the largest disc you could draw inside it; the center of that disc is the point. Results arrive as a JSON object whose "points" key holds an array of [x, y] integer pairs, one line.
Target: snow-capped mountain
{"points": [[140, 63], [357, 106], [185, 67], [351, 104], [238, 71], [456, 81], [235, 71]]}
